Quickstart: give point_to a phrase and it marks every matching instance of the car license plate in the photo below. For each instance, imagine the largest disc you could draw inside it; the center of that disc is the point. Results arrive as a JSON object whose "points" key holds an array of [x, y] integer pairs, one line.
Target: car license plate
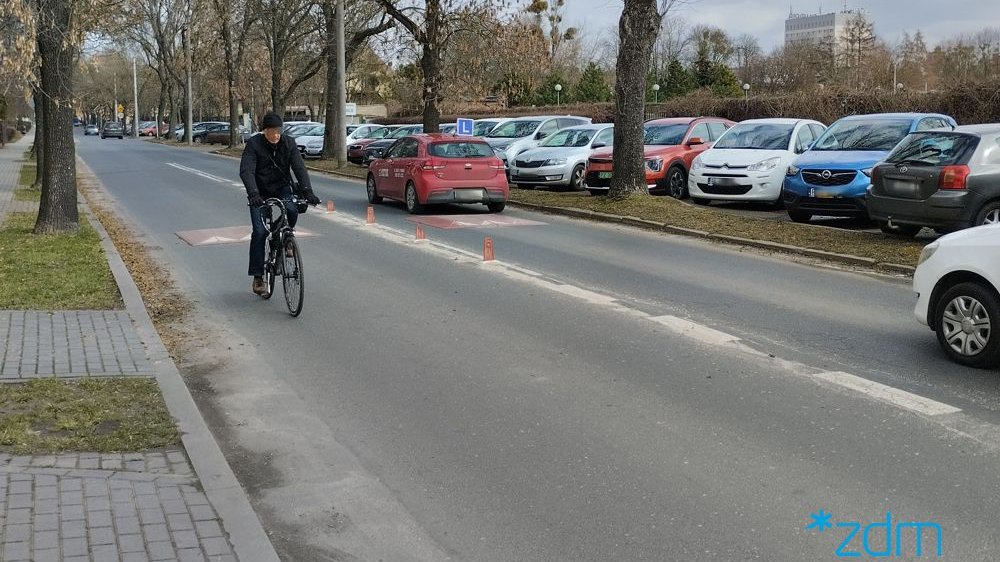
{"points": [[825, 195], [604, 175]]}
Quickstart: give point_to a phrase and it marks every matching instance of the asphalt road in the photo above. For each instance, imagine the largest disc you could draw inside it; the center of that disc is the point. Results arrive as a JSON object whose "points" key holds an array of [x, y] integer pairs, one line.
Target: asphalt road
{"points": [[602, 394]]}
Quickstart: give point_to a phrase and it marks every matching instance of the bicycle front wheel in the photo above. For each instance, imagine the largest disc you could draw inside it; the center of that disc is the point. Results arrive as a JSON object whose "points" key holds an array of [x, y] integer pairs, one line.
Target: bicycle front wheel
{"points": [[292, 277]]}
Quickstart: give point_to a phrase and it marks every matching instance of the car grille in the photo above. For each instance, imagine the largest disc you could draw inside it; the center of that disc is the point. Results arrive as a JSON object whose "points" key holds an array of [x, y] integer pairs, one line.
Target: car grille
{"points": [[724, 189], [594, 180], [601, 160], [529, 163], [819, 206], [841, 177]]}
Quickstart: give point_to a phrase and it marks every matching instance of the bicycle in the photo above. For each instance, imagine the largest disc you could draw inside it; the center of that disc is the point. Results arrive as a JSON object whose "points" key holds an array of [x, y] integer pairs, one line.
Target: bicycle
{"points": [[283, 257]]}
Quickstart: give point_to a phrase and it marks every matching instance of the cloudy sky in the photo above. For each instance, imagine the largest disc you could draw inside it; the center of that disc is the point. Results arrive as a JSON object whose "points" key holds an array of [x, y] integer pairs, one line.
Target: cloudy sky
{"points": [[938, 19]]}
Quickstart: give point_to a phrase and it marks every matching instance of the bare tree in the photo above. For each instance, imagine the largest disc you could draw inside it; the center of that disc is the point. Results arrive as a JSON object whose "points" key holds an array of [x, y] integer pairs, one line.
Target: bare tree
{"points": [[747, 51], [236, 18], [859, 41]]}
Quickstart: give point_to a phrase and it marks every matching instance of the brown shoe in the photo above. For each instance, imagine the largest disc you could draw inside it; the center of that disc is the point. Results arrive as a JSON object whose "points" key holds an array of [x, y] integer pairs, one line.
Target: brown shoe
{"points": [[259, 288]]}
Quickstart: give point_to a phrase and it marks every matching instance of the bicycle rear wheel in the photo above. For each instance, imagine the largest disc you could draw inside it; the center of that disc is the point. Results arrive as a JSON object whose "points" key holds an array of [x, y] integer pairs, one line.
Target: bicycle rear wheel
{"points": [[291, 277], [269, 268]]}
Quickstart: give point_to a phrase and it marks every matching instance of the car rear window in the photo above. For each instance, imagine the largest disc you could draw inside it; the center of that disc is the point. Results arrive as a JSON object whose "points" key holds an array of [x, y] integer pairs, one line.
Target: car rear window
{"points": [[934, 149], [460, 149], [880, 135]]}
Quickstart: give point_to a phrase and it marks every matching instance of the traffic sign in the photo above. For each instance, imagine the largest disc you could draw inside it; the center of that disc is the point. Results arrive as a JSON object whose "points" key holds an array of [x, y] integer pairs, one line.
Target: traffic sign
{"points": [[352, 109], [465, 127], [121, 115]]}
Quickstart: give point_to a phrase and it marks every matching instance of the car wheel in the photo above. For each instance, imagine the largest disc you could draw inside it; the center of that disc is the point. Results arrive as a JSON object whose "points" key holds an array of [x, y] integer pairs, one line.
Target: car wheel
{"points": [[496, 207], [198, 140], [576, 178], [964, 318], [677, 182], [899, 229], [701, 201], [989, 214], [413, 205], [373, 197], [799, 216]]}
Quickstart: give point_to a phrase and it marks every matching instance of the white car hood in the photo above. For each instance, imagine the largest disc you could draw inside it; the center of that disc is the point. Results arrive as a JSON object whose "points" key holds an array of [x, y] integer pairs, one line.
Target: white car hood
{"points": [[740, 157], [304, 141], [986, 236]]}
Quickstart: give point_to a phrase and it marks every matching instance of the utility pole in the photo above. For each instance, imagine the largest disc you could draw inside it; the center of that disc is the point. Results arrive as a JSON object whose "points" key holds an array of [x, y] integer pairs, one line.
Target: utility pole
{"points": [[135, 102], [190, 96], [340, 124]]}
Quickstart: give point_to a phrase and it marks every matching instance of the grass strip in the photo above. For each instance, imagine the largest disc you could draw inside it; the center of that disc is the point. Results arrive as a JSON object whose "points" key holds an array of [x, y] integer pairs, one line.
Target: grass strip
{"points": [[102, 415]]}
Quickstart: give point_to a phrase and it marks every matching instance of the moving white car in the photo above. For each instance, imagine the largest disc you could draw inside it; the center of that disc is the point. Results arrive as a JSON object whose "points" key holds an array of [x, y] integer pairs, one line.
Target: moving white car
{"points": [[748, 162], [561, 159], [957, 282]]}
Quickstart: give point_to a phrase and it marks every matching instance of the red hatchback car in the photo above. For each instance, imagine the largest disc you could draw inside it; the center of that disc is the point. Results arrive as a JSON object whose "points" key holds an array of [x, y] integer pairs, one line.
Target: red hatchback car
{"points": [[431, 169]]}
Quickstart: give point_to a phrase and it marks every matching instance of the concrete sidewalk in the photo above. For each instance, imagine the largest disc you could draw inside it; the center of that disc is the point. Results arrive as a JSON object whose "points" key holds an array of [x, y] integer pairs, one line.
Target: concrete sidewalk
{"points": [[85, 506]]}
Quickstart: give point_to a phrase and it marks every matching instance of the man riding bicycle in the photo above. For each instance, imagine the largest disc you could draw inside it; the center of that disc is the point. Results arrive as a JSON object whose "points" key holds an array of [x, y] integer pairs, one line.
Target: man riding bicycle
{"points": [[264, 170]]}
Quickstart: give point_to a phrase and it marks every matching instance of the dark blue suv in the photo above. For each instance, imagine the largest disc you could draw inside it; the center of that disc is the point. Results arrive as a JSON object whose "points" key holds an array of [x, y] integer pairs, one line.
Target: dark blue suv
{"points": [[832, 177]]}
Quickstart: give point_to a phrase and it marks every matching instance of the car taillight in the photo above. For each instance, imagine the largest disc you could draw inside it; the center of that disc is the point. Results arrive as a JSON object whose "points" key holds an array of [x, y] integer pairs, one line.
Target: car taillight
{"points": [[953, 177], [497, 164], [432, 165]]}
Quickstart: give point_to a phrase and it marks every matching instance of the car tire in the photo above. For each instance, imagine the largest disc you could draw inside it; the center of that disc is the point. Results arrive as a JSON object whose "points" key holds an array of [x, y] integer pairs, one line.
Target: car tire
{"points": [[413, 205], [373, 197], [908, 230], [198, 140], [800, 216], [969, 302], [577, 177], [676, 181], [496, 207], [989, 214], [701, 201]]}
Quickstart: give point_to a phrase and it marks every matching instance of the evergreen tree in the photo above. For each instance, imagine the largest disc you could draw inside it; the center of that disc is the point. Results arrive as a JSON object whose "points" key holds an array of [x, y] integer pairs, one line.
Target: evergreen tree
{"points": [[546, 93], [593, 85], [678, 81]]}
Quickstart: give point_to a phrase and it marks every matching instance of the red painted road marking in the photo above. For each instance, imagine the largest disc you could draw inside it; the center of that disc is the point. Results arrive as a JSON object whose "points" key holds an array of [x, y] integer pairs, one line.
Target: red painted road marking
{"points": [[472, 221], [226, 235]]}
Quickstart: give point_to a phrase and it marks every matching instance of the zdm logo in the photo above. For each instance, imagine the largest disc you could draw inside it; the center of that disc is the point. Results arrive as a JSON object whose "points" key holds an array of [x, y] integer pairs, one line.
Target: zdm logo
{"points": [[880, 539]]}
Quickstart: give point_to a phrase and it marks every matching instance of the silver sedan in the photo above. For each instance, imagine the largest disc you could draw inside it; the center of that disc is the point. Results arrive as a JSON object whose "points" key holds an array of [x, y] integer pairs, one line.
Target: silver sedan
{"points": [[560, 160]]}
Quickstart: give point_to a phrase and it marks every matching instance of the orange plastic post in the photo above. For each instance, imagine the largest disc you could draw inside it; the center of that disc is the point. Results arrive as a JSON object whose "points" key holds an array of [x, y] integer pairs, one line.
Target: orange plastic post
{"points": [[329, 205], [488, 249], [371, 215]]}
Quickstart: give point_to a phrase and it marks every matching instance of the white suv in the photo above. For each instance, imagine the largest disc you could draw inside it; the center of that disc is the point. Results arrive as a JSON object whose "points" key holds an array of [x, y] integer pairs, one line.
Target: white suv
{"points": [[956, 282]]}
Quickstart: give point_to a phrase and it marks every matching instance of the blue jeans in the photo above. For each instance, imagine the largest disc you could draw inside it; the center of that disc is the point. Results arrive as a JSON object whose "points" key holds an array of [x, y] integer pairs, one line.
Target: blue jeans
{"points": [[260, 233]]}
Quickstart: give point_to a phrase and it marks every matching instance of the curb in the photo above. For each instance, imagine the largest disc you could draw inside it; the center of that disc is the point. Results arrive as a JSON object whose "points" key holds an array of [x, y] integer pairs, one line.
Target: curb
{"points": [[246, 534], [774, 246]]}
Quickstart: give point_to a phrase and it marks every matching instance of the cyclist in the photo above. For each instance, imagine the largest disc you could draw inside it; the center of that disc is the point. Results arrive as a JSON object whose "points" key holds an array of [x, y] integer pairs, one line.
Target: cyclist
{"points": [[264, 169]]}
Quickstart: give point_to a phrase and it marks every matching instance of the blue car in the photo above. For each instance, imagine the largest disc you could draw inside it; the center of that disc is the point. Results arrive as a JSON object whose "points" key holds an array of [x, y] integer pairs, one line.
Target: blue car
{"points": [[831, 178]]}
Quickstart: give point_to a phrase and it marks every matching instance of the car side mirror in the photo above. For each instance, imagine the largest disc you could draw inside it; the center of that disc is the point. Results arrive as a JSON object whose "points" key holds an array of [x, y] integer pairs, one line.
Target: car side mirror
{"points": [[598, 145], [540, 136], [694, 141]]}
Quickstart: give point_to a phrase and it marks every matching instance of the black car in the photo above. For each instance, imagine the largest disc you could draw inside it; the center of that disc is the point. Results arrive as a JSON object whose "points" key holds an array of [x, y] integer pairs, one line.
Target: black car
{"points": [[112, 129], [198, 135], [944, 179], [378, 148]]}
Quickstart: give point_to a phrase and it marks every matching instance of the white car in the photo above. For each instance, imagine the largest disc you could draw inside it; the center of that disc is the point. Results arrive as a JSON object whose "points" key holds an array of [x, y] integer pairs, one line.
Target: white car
{"points": [[748, 162], [312, 145], [957, 282], [524, 133], [562, 158]]}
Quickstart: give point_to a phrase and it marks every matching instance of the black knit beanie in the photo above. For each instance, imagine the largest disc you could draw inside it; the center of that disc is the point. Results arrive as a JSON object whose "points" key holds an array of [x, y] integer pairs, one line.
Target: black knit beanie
{"points": [[271, 120]]}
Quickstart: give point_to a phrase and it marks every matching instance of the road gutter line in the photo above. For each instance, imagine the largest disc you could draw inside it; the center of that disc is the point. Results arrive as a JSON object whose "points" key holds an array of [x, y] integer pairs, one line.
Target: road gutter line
{"points": [[888, 394]]}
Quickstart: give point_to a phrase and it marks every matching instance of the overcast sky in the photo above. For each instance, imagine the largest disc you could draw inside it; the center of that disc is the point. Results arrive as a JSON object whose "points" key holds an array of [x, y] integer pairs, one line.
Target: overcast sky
{"points": [[938, 19]]}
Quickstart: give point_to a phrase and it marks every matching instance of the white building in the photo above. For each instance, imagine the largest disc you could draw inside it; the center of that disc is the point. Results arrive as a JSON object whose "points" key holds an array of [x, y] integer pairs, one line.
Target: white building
{"points": [[817, 28]]}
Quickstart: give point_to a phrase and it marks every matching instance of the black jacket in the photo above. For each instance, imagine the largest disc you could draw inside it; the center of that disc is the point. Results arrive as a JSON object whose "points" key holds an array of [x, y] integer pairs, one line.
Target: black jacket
{"points": [[264, 167]]}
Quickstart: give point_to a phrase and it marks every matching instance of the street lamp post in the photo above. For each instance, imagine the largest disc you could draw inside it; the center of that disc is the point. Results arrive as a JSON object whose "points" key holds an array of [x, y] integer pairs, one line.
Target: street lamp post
{"points": [[656, 93], [558, 91], [746, 92]]}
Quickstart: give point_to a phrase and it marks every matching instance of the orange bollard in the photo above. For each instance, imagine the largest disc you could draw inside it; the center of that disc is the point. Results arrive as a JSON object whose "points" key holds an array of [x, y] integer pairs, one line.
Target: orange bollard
{"points": [[371, 215], [329, 205], [421, 235], [488, 249]]}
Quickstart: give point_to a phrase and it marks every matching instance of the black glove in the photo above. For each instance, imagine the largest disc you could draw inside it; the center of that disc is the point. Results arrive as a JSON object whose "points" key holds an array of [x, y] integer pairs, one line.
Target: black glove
{"points": [[256, 201], [311, 197]]}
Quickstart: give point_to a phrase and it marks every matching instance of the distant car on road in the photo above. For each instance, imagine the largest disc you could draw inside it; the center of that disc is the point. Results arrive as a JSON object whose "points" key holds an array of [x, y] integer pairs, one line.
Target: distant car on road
{"points": [[91, 130], [671, 146], [957, 282], [832, 177], [562, 158], [431, 169], [112, 129], [749, 161], [947, 180]]}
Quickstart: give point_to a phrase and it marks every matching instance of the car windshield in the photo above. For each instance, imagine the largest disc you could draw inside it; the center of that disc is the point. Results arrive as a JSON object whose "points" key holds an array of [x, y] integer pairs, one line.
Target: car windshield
{"points": [[514, 130], [314, 131], [864, 134], [460, 149], [570, 138], [401, 132], [934, 149], [665, 134], [448, 128], [756, 136], [482, 128]]}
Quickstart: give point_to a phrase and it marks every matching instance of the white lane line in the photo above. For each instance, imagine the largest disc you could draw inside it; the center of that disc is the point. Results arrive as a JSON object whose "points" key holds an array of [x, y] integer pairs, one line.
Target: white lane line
{"points": [[883, 393], [695, 331], [205, 175]]}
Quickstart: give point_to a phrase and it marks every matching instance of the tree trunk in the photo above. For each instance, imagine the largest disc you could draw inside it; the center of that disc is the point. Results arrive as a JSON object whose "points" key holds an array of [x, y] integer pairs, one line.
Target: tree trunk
{"points": [[57, 212], [430, 64], [638, 28], [277, 98], [36, 93], [330, 19]]}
